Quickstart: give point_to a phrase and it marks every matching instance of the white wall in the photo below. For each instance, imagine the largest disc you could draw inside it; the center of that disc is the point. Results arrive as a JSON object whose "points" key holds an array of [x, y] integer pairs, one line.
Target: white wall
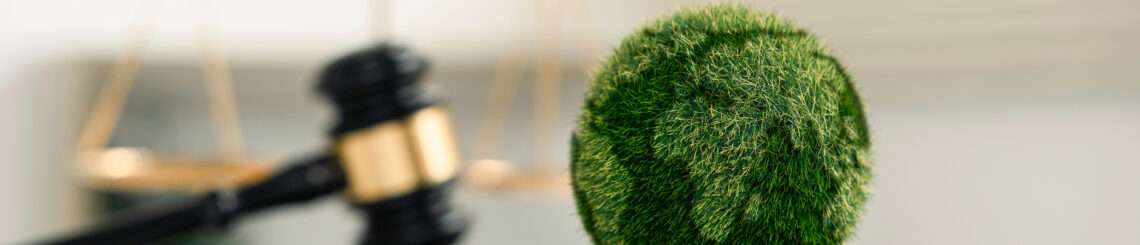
{"points": [[994, 122], [40, 107]]}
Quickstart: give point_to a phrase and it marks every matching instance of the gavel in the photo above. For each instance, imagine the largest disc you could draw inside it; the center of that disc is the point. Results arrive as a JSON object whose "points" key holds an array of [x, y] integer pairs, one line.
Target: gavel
{"points": [[392, 147]]}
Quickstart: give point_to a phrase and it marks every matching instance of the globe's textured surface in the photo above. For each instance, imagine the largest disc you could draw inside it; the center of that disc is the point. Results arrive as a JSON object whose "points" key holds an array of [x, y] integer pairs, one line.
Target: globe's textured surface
{"points": [[725, 125]]}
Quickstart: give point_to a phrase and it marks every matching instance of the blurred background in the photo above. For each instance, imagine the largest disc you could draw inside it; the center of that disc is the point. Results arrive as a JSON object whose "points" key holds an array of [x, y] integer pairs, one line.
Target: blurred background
{"points": [[993, 122]]}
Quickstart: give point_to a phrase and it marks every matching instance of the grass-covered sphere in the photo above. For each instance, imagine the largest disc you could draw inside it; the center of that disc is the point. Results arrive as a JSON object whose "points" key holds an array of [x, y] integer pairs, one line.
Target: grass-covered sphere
{"points": [[721, 125]]}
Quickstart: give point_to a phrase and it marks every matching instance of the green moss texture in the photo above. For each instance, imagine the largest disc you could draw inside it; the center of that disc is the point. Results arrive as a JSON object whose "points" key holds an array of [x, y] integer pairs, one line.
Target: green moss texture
{"points": [[721, 125]]}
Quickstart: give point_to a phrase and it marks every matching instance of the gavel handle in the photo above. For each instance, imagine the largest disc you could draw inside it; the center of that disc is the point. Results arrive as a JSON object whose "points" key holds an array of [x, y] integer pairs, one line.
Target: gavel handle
{"points": [[305, 180]]}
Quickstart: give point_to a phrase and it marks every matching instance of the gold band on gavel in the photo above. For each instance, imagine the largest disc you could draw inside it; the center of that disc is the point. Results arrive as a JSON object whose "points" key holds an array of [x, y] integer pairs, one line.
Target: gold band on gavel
{"points": [[398, 156]]}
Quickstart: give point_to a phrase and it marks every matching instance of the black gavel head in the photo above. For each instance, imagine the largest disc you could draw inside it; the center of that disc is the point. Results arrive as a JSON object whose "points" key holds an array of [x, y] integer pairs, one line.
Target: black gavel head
{"points": [[374, 85], [395, 146]]}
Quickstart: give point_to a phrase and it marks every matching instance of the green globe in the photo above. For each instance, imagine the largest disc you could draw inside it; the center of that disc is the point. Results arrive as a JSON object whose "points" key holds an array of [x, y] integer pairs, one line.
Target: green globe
{"points": [[721, 125]]}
